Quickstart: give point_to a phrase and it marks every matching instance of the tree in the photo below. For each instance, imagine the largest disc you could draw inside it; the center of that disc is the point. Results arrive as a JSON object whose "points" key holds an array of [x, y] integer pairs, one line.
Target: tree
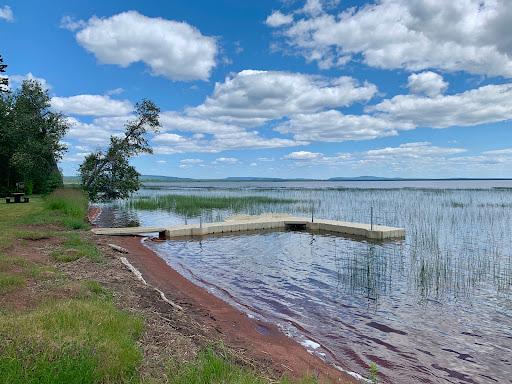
{"points": [[108, 175], [4, 81], [30, 139]]}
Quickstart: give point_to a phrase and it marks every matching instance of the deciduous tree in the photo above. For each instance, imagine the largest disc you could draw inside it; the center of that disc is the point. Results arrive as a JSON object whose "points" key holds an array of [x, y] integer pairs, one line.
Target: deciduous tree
{"points": [[108, 175]]}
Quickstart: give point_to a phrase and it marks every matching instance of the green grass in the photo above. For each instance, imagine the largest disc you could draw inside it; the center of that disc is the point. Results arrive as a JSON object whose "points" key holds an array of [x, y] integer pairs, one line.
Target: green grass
{"points": [[217, 368], [72, 341], [9, 282], [191, 205], [74, 248]]}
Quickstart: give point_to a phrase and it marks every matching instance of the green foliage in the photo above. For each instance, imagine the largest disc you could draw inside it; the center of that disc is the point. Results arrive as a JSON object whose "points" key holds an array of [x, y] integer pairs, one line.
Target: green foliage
{"points": [[109, 175], [72, 341], [191, 205], [373, 373], [30, 140]]}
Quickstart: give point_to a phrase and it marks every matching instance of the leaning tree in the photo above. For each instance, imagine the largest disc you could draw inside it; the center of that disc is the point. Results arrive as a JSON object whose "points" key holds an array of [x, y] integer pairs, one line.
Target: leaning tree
{"points": [[108, 175]]}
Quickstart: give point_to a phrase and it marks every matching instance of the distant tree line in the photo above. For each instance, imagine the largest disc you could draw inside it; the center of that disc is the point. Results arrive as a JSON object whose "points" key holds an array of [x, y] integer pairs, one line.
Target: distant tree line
{"points": [[30, 138]]}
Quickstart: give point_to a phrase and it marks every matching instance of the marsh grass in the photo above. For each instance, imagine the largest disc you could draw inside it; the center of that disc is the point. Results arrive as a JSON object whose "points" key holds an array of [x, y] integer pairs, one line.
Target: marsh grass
{"points": [[194, 205]]}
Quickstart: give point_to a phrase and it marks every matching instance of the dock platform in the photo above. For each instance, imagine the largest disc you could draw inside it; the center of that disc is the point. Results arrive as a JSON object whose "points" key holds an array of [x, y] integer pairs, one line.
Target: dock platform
{"points": [[263, 222]]}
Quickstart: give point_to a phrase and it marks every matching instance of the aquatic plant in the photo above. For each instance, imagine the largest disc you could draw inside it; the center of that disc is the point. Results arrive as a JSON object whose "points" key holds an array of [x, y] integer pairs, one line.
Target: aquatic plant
{"points": [[193, 205]]}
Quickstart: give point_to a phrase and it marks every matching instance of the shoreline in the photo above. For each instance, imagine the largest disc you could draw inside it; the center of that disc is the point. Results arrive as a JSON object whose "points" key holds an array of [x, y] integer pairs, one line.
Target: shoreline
{"points": [[265, 341]]}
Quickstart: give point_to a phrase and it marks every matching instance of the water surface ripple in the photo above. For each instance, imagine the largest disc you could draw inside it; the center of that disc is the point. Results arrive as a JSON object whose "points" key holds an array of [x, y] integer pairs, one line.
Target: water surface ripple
{"points": [[433, 308]]}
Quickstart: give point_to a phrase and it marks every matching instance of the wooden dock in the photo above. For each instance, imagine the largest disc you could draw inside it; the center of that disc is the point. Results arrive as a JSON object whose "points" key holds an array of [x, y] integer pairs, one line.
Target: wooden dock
{"points": [[254, 223]]}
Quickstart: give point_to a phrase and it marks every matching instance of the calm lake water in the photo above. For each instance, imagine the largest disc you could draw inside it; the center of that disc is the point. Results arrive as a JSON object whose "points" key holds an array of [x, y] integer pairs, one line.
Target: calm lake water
{"points": [[433, 308]]}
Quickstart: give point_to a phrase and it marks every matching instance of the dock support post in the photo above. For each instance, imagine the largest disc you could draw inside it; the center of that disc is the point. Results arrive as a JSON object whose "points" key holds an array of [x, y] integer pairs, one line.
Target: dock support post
{"points": [[162, 235]]}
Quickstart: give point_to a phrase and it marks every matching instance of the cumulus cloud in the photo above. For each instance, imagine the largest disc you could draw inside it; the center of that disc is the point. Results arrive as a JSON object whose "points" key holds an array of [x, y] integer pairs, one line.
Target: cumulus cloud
{"points": [[465, 35], [16, 80], [173, 49], [427, 83], [91, 105], [487, 104], [278, 19], [253, 97], [96, 133], [334, 126], [6, 13]]}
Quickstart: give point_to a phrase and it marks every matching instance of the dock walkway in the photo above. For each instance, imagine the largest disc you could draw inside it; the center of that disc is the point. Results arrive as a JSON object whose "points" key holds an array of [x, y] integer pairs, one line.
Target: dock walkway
{"points": [[254, 223]]}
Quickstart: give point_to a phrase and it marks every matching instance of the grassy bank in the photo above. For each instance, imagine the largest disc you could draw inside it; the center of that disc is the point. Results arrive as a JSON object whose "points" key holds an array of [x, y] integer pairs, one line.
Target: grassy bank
{"points": [[57, 329], [190, 205]]}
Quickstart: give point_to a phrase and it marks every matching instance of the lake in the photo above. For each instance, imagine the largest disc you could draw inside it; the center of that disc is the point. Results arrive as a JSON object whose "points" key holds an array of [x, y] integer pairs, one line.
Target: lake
{"points": [[432, 308]]}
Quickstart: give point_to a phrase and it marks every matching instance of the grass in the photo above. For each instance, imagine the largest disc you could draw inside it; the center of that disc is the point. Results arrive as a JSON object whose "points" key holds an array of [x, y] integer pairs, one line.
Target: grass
{"points": [[193, 205], [9, 282], [74, 248], [71, 341], [216, 367]]}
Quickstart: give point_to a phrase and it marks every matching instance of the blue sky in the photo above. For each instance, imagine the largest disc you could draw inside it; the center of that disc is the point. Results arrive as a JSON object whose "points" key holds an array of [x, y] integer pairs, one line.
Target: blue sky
{"points": [[278, 88]]}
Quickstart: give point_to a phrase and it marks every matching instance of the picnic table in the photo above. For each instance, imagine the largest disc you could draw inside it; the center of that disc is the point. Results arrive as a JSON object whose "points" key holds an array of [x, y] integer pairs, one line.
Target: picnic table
{"points": [[19, 197]]}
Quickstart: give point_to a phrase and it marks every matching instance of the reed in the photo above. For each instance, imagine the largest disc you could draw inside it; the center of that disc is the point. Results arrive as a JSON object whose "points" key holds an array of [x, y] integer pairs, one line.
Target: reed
{"points": [[194, 205]]}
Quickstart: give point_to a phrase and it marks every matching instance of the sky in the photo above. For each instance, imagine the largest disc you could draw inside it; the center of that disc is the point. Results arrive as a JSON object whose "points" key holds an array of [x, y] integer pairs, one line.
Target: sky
{"points": [[311, 89]]}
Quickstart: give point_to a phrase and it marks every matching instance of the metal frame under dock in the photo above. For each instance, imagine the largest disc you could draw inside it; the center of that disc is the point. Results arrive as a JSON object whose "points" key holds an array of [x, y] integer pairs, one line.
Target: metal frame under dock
{"points": [[254, 223]]}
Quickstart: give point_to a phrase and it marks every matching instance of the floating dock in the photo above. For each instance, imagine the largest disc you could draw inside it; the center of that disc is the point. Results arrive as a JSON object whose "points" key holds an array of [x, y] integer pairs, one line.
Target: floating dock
{"points": [[264, 222]]}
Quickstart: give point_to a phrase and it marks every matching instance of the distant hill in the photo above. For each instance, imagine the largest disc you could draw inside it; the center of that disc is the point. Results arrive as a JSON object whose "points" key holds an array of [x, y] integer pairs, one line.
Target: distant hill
{"points": [[253, 179], [156, 178], [366, 178]]}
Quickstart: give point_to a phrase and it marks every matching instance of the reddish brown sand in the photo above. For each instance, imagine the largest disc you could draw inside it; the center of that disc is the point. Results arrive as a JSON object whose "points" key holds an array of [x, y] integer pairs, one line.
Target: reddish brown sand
{"points": [[262, 340]]}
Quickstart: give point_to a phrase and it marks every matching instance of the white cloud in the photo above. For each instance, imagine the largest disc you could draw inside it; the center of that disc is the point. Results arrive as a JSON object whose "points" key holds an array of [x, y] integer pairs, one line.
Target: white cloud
{"points": [[15, 81], [334, 126], [71, 24], [209, 136], [427, 83], [303, 155], [91, 105], [6, 13], [161, 161], [253, 97], [96, 133], [412, 150], [226, 160], [176, 50], [313, 7], [115, 91], [505, 151], [463, 35], [487, 104], [188, 163], [278, 19], [253, 165], [419, 155]]}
